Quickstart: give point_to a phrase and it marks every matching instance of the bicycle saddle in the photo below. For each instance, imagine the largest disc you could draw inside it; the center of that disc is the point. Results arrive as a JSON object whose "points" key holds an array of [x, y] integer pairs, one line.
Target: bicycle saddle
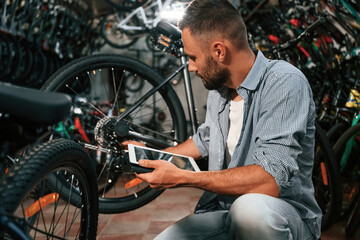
{"points": [[32, 105], [169, 30]]}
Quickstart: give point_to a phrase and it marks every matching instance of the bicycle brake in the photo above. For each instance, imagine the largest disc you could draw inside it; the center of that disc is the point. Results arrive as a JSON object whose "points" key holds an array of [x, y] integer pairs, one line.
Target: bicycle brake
{"points": [[104, 133]]}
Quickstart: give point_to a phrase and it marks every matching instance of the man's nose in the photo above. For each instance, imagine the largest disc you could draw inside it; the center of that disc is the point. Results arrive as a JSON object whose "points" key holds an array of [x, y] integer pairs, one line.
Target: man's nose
{"points": [[192, 67]]}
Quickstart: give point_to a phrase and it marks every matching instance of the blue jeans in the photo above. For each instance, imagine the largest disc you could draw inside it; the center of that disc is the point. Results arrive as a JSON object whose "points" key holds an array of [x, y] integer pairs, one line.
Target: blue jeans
{"points": [[251, 216]]}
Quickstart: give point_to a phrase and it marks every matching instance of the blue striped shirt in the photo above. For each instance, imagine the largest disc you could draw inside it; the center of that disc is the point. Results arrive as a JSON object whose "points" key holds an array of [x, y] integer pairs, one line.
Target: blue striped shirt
{"points": [[277, 134]]}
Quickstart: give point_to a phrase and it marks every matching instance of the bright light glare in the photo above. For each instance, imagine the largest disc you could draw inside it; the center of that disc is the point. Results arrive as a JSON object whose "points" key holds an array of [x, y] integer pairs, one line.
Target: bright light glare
{"points": [[174, 12], [171, 15]]}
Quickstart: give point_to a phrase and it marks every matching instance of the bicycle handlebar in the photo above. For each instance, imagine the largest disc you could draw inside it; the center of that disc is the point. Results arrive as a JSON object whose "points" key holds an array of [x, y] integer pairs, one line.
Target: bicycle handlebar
{"points": [[167, 38], [169, 30]]}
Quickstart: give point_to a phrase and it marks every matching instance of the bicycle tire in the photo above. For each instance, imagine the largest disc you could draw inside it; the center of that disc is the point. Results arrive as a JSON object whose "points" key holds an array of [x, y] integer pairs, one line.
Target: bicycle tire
{"points": [[24, 188], [7, 54], [163, 104], [353, 223], [26, 63], [350, 176], [326, 179], [39, 68], [15, 67], [113, 36], [336, 131]]}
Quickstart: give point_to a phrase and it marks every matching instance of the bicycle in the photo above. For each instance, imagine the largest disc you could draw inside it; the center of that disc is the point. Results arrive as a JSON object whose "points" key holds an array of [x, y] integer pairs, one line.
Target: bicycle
{"points": [[118, 188], [122, 28], [49, 189], [153, 115], [346, 151], [343, 135]]}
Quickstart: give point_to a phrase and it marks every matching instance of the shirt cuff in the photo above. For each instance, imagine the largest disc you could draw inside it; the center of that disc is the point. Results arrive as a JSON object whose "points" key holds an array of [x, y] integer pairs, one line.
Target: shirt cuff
{"points": [[200, 145], [277, 168]]}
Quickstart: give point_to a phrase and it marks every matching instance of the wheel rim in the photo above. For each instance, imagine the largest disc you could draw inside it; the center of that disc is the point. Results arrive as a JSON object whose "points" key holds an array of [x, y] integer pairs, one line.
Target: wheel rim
{"points": [[46, 213]]}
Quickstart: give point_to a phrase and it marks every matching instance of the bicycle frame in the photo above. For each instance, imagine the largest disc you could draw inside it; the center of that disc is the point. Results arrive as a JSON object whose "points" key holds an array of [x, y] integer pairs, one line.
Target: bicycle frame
{"points": [[188, 91]]}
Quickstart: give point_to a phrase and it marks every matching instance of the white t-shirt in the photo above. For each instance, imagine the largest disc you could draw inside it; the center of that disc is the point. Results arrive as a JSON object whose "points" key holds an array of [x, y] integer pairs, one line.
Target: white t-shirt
{"points": [[236, 116]]}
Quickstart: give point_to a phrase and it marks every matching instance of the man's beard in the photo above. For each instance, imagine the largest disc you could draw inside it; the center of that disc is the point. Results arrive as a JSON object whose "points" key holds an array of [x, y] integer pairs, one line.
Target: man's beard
{"points": [[214, 76]]}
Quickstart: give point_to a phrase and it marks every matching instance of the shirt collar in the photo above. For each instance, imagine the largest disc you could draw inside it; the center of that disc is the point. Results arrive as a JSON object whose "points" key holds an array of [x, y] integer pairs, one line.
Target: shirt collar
{"points": [[253, 78]]}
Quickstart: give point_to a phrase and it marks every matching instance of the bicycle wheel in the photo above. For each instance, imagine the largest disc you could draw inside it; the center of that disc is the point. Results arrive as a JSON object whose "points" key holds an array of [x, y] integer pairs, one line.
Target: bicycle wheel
{"points": [[45, 211], [326, 179], [348, 157], [114, 36], [99, 85]]}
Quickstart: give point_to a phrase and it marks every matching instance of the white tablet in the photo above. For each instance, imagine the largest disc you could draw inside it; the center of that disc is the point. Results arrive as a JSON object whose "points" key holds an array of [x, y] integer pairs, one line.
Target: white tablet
{"points": [[137, 152]]}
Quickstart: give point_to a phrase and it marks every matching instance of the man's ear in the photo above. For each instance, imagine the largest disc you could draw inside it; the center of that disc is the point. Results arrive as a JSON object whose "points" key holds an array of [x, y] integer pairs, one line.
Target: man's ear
{"points": [[219, 51]]}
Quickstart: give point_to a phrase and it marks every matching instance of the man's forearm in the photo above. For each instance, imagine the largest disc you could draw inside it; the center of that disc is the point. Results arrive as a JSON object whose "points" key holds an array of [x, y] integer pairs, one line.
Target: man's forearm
{"points": [[234, 181]]}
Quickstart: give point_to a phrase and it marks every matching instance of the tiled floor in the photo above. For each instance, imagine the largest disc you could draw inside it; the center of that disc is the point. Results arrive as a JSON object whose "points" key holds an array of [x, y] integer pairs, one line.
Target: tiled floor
{"points": [[146, 222]]}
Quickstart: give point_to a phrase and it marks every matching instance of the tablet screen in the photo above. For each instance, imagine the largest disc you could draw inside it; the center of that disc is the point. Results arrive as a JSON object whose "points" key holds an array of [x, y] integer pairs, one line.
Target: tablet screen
{"points": [[184, 162]]}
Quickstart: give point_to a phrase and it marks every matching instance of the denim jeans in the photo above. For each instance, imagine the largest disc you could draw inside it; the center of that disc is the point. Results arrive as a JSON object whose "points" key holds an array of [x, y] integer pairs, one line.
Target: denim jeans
{"points": [[251, 216]]}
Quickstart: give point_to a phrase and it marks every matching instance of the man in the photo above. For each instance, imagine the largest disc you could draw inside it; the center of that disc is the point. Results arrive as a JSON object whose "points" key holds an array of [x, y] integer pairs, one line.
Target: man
{"points": [[258, 136]]}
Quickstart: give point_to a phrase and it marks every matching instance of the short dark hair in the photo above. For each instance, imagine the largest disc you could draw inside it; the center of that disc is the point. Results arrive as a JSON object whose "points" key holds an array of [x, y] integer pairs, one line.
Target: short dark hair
{"points": [[207, 19]]}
